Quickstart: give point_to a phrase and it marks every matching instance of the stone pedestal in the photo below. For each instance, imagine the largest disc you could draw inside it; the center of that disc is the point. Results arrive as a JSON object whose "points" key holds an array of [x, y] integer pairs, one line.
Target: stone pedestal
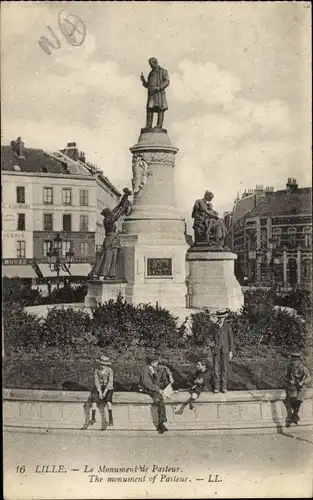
{"points": [[153, 238], [211, 282], [100, 291]]}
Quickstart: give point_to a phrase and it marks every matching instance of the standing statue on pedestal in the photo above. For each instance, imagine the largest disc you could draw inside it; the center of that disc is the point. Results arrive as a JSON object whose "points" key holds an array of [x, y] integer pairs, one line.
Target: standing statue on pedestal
{"points": [[156, 84], [105, 265], [208, 227]]}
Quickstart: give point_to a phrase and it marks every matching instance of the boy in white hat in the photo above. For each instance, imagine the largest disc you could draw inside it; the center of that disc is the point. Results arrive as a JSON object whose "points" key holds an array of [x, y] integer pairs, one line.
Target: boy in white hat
{"points": [[101, 394], [297, 380]]}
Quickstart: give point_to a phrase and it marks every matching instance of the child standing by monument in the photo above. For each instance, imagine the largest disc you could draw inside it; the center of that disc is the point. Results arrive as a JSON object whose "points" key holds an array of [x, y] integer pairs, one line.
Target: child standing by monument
{"points": [[297, 380], [101, 394], [222, 350]]}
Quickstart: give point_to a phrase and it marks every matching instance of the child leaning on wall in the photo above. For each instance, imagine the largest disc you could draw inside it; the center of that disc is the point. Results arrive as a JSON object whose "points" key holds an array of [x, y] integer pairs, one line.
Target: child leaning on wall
{"points": [[297, 380], [101, 394]]}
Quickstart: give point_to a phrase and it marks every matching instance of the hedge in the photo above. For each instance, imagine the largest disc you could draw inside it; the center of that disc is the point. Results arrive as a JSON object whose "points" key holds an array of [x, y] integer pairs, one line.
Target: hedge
{"points": [[43, 353], [50, 368], [118, 325], [17, 292]]}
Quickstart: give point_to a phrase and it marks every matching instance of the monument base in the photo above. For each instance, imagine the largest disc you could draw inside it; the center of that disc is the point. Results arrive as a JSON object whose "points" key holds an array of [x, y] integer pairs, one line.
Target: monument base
{"points": [[212, 283], [155, 273], [162, 293], [100, 291]]}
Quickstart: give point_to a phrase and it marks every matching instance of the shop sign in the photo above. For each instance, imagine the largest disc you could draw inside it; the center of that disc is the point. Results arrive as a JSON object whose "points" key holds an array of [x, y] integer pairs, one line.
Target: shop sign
{"points": [[18, 262], [13, 235]]}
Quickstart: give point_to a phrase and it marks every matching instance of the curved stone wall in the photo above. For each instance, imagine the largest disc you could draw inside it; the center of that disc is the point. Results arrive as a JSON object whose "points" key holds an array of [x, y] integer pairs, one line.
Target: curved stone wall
{"points": [[236, 411]]}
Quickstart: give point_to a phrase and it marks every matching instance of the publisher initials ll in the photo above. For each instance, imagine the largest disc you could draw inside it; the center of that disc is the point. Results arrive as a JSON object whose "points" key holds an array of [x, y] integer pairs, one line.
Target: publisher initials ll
{"points": [[213, 478]]}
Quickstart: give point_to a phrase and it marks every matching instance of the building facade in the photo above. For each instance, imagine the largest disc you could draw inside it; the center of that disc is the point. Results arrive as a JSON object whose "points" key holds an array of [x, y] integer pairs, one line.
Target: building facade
{"points": [[271, 232], [45, 194]]}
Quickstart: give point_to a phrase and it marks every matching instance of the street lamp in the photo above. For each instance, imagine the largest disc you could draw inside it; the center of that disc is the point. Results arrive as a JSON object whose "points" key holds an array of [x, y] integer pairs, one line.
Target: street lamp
{"points": [[56, 261]]}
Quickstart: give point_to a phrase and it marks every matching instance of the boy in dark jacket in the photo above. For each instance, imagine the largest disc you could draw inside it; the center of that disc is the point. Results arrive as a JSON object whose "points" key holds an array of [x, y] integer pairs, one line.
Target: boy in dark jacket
{"points": [[201, 383], [297, 380], [164, 375], [149, 383], [222, 350]]}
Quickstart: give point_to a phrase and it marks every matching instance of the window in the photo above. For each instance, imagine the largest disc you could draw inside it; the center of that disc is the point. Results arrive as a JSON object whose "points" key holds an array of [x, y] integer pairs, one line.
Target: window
{"points": [[20, 194], [307, 270], [263, 271], [84, 248], [20, 248], [67, 222], [21, 222], [277, 235], [292, 271], [48, 196], [292, 234], [251, 239], [83, 197], [67, 196], [278, 273], [47, 222], [307, 237], [263, 234], [83, 226], [66, 246], [46, 247]]}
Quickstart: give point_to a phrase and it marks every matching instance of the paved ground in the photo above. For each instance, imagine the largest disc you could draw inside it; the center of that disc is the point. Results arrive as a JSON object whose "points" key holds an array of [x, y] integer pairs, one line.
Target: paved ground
{"points": [[278, 465]]}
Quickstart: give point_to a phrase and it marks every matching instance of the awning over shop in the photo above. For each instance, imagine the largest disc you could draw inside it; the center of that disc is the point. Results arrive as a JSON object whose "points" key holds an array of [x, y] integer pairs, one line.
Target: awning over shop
{"points": [[47, 273], [22, 271], [80, 269]]}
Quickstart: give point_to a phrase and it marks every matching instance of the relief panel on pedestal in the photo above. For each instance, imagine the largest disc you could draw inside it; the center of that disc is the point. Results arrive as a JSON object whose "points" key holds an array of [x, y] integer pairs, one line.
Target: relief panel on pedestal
{"points": [[159, 267]]}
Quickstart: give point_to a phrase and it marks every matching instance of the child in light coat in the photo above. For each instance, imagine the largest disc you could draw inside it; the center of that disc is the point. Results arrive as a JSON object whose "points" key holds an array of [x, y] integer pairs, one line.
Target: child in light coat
{"points": [[101, 394]]}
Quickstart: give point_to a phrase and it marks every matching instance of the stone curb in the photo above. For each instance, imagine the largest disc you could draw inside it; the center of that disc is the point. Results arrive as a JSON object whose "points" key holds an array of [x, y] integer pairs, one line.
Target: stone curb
{"points": [[233, 412], [112, 433], [135, 398]]}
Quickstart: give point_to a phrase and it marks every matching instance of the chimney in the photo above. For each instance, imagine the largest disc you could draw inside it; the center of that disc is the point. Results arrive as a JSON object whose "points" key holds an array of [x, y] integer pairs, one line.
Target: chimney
{"points": [[18, 147], [82, 156], [291, 185], [71, 151], [259, 194]]}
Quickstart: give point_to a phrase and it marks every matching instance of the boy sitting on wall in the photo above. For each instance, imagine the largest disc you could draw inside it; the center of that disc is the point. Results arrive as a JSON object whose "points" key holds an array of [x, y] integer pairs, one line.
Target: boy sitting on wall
{"points": [[101, 394]]}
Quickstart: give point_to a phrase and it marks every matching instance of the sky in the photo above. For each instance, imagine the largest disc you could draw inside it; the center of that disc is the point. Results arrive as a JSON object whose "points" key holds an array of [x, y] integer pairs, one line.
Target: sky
{"points": [[239, 93]]}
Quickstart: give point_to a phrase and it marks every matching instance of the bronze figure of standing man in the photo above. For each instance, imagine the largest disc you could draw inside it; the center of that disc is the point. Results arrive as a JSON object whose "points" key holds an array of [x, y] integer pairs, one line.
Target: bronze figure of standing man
{"points": [[156, 84]]}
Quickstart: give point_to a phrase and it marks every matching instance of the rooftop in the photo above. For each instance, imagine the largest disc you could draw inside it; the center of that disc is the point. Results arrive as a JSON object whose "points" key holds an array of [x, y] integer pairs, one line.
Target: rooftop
{"points": [[69, 161], [38, 160], [284, 202]]}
